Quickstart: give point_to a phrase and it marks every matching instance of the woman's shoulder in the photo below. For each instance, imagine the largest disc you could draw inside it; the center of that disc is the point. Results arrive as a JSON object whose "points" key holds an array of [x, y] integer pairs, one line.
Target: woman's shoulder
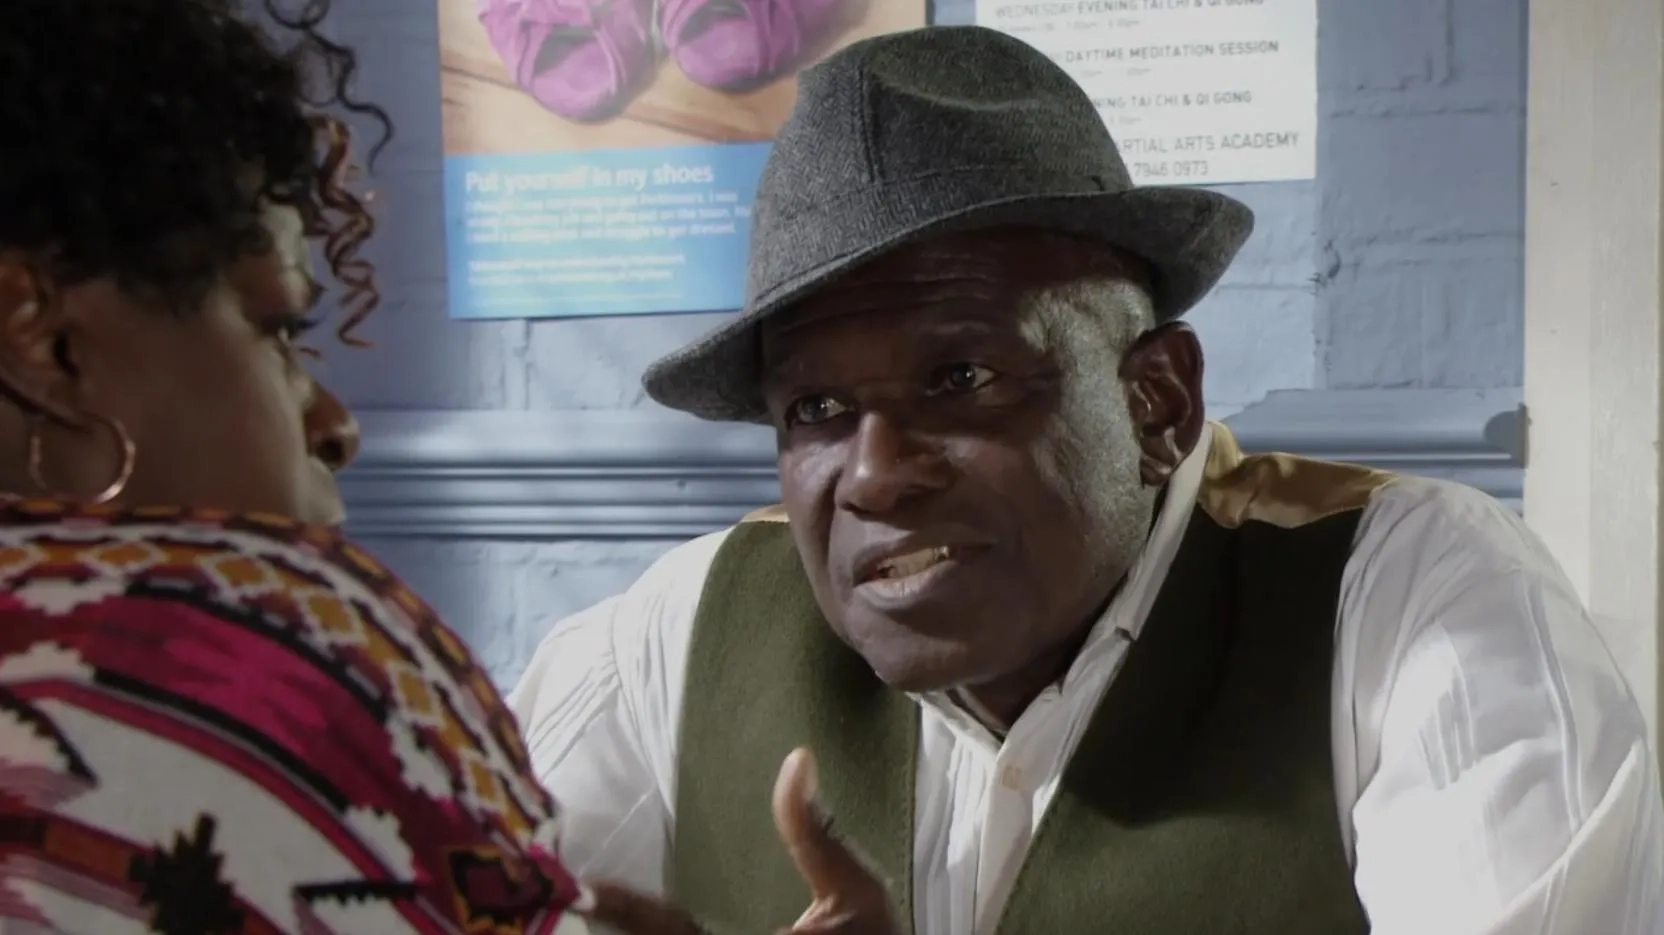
{"points": [[265, 683], [311, 573], [173, 536], [309, 582]]}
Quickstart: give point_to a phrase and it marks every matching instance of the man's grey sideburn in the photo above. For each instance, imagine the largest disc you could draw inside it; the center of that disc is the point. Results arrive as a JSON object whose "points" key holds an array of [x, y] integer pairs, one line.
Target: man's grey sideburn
{"points": [[1090, 450]]}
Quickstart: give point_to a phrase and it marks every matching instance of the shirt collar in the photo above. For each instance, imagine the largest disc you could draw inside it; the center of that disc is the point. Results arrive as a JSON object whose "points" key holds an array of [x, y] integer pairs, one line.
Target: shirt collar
{"points": [[1132, 606]]}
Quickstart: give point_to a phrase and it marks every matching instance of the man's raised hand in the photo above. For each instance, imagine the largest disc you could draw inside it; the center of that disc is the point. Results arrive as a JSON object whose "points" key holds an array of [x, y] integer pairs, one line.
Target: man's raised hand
{"points": [[846, 897]]}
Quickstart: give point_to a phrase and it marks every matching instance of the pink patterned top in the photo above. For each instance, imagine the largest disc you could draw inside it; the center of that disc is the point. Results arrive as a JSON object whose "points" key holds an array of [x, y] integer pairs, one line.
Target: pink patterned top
{"points": [[213, 724]]}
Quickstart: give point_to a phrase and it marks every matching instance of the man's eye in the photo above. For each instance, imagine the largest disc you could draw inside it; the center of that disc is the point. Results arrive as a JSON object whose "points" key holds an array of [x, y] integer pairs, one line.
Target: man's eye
{"points": [[960, 378], [811, 410]]}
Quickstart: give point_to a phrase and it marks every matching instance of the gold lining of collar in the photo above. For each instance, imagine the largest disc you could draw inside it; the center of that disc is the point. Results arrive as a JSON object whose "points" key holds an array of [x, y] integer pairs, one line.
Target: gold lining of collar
{"points": [[1283, 490]]}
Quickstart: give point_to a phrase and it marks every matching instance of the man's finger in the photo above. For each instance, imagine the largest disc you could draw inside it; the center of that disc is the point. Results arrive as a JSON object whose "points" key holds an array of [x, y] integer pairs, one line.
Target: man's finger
{"points": [[828, 866], [634, 914]]}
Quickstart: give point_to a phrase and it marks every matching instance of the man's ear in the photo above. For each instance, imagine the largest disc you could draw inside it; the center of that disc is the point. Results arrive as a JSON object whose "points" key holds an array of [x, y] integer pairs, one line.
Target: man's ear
{"points": [[37, 369], [1163, 376]]}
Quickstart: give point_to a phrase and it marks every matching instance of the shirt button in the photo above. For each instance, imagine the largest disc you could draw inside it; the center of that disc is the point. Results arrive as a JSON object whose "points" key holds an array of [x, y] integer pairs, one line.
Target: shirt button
{"points": [[1012, 778]]}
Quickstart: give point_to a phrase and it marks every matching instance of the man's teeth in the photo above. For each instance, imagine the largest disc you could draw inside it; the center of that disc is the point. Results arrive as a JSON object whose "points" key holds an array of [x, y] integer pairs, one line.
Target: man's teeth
{"points": [[903, 566]]}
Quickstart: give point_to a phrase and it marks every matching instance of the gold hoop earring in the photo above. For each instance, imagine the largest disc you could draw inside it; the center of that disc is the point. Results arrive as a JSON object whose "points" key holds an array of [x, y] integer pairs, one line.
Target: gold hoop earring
{"points": [[124, 443]]}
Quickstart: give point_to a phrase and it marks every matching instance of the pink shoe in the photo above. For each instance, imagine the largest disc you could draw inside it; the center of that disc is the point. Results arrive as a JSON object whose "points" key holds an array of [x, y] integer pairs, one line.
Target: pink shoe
{"points": [[734, 45], [582, 59]]}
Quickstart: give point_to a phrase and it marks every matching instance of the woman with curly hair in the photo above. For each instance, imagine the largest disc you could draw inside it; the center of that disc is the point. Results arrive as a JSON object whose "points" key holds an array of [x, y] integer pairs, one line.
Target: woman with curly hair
{"points": [[215, 715]]}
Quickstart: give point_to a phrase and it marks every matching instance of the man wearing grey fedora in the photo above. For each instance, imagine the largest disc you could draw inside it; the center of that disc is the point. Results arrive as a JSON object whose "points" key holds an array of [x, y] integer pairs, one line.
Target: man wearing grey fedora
{"points": [[1067, 660]]}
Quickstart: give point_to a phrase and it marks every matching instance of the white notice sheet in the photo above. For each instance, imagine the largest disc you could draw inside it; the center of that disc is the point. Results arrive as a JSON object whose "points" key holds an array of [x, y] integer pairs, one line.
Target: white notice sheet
{"points": [[1195, 92]]}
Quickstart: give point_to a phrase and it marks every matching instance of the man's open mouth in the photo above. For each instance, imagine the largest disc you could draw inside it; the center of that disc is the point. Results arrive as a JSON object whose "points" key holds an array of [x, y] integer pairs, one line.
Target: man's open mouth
{"points": [[912, 563]]}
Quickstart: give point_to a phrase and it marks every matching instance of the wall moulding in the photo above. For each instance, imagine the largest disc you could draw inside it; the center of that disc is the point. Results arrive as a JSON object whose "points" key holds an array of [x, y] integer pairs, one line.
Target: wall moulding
{"points": [[653, 474]]}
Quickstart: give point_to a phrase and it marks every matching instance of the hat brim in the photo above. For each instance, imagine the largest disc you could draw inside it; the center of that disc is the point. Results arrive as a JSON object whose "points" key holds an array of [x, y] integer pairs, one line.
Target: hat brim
{"points": [[1188, 236]]}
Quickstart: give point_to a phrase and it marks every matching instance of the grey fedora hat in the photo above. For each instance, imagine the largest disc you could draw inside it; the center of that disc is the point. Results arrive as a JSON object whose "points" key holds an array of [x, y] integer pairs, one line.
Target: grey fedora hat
{"points": [[946, 128]]}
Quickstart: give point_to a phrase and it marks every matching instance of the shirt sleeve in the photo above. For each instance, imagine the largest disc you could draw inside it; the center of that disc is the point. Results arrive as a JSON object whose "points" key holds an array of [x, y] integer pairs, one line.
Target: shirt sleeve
{"points": [[600, 707], [1504, 780]]}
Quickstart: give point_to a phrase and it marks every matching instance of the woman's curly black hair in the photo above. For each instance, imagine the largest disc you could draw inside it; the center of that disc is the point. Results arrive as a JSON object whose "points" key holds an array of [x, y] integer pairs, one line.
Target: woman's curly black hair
{"points": [[142, 139]]}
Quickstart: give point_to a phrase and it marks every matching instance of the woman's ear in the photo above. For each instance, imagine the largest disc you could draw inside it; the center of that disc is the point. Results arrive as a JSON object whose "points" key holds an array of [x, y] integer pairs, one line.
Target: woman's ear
{"points": [[37, 368]]}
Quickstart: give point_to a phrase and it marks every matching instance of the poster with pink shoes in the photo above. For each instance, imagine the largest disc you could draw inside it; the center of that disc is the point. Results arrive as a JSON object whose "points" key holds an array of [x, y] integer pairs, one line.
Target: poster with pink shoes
{"points": [[600, 155]]}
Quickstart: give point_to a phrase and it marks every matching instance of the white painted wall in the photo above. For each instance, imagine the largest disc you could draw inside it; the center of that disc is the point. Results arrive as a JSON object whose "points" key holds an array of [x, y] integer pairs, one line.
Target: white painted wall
{"points": [[1594, 218]]}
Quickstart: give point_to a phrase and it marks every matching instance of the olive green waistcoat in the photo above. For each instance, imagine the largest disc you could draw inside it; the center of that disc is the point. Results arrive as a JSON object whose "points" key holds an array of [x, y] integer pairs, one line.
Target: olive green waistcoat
{"points": [[1200, 800]]}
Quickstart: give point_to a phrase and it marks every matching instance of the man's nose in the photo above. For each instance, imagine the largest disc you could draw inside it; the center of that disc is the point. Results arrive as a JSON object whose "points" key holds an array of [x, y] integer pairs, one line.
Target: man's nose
{"points": [[889, 464], [331, 430]]}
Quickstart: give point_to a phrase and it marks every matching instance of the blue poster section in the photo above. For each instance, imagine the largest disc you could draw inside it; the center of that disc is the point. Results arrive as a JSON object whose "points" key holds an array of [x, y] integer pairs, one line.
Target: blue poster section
{"points": [[605, 232]]}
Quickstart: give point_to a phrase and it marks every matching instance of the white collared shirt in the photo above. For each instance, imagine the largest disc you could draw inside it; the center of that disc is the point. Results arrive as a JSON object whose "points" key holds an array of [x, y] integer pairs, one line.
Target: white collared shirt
{"points": [[1491, 766]]}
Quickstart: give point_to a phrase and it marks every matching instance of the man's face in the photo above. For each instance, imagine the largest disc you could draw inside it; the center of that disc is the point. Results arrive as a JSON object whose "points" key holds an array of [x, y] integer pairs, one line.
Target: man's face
{"points": [[965, 478]]}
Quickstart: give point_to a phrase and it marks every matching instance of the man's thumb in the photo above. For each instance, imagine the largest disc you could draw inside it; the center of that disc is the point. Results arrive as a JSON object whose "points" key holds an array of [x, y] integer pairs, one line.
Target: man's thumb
{"points": [[825, 863]]}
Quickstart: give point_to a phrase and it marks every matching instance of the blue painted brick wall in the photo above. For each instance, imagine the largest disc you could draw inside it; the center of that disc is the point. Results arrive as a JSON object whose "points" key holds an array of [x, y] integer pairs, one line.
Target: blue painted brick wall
{"points": [[1421, 210]]}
